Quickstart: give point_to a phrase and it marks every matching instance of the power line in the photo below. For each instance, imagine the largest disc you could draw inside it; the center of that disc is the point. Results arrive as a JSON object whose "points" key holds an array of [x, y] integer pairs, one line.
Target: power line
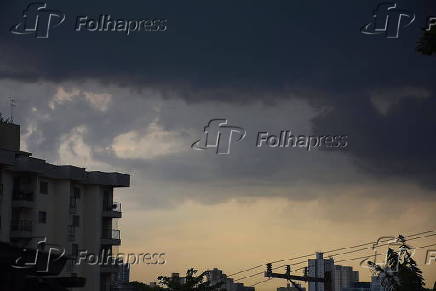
{"points": [[341, 254], [353, 259], [330, 251]]}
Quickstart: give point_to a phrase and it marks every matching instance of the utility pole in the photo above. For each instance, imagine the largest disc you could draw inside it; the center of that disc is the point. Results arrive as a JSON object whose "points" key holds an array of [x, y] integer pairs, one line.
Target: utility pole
{"points": [[287, 275]]}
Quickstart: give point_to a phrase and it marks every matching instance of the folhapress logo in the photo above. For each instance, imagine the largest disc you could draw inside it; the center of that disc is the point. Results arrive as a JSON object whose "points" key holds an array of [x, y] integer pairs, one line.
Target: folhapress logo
{"points": [[388, 20], [219, 134], [38, 20], [430, 257]]}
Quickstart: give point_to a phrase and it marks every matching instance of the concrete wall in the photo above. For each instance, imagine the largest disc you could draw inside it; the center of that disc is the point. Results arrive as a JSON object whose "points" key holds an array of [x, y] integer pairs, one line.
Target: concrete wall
{"points": [[5, 205]]}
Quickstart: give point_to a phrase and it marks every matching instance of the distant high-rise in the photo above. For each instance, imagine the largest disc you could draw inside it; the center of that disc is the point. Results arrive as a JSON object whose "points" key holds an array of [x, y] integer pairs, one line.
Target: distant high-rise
{"points": [[341, 276], [318, 268], [122, 277], [344, 277]]}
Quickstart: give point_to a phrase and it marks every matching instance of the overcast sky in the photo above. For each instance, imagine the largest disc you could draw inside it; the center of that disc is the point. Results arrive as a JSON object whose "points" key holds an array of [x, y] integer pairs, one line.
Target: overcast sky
{"points": [[135, 104]]}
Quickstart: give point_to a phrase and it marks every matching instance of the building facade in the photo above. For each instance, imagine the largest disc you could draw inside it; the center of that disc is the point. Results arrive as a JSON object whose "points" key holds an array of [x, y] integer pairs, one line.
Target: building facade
{"points": [[66, 207], [318, 268]]}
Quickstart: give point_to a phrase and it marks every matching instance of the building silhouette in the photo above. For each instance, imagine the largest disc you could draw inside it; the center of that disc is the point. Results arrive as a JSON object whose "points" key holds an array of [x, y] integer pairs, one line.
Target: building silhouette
{"points": [[317, 268], [215, 276], [343, 278], [45, 205], [121, 278]]}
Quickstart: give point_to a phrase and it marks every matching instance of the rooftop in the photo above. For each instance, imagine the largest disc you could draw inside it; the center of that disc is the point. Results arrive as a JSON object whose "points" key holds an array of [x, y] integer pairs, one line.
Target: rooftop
{"points": [[16, 160]]}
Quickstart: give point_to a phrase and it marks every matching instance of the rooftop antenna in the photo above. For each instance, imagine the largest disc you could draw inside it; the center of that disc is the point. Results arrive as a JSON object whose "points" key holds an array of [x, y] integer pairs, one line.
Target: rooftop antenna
{"points": [[12, 104]]}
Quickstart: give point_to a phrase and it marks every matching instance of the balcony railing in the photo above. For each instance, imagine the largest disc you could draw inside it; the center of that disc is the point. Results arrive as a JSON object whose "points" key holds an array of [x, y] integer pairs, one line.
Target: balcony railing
{"points": [[21, 225], [111, 234], [21, 196], [115, 206]]}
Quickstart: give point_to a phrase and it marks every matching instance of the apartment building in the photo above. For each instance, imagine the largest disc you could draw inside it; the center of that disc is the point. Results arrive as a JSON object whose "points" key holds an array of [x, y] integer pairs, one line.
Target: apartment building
{"points": [[66, 206], [342, 277], [318, 267]]}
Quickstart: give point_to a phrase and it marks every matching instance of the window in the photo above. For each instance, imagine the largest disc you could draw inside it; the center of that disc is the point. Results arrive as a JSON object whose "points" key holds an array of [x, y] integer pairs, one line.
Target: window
{"points": [[76, 192], [75, 250], [76, 220], [43, 187], [42, 217]]}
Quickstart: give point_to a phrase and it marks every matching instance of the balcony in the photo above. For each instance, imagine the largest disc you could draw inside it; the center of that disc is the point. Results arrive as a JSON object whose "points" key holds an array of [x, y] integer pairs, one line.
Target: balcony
{"points": [[21, 228], [22, 199], [111, 237], [112, 210]]}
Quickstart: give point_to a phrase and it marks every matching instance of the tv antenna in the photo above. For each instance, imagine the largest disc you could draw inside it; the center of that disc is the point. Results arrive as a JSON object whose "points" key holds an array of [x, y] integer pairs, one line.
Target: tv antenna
{"points": [[12, 105]]}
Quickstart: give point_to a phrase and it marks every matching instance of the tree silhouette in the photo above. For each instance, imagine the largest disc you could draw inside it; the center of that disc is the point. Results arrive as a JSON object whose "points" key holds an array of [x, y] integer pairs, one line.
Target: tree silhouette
{"points": [[143, 287], [400, 272], [190, 282]]}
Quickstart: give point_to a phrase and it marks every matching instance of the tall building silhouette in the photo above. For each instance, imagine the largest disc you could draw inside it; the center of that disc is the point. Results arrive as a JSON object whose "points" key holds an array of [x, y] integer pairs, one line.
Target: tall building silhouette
{"points": [[65, 206]]}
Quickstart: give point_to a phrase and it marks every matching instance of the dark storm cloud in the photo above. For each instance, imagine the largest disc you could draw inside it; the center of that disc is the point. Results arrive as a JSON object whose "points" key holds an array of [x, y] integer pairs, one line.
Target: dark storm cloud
{"points": [[237, 51], [71, 130], [400, 142], [244, 46]]}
